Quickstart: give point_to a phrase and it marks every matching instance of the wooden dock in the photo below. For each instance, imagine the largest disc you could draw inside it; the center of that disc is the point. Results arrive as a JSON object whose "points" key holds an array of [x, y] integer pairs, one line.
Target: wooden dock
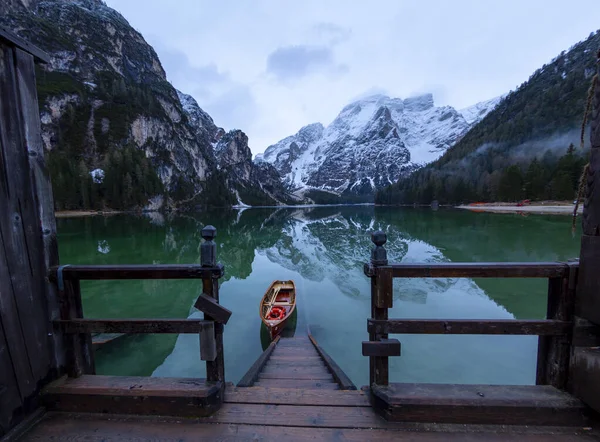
{"points": [[297, 392], [262, 413]]}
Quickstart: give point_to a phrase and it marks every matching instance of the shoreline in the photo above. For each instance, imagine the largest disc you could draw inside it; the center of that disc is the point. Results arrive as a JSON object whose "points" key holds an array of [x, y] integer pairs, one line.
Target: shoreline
{"points": [[82, 213], [552, 208]]}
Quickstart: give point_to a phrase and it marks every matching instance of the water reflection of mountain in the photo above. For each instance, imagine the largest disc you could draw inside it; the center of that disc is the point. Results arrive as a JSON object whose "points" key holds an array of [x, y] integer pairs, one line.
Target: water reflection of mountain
{"points": [[323, 249], [464, 236]]}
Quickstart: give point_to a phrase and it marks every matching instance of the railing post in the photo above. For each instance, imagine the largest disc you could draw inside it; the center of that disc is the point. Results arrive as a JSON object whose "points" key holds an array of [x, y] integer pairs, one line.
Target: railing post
{"points": [[381, 295], [80, 354], [215, 370], [554, 351]]}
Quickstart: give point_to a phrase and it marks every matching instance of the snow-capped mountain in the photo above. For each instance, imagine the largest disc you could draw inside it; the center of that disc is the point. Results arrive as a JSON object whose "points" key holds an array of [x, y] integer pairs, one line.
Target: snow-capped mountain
{"points": [[474, 114], [370, 144]]}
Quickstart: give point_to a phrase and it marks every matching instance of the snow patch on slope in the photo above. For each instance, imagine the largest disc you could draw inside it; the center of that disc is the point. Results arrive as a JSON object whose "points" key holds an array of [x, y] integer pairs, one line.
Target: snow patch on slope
{"points": [[474, 114], [371, 143]]}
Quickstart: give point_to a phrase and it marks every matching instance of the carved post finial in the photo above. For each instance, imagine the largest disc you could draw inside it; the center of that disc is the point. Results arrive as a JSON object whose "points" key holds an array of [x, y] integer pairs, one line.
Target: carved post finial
{"points": [[379, 254], [208, 249]]}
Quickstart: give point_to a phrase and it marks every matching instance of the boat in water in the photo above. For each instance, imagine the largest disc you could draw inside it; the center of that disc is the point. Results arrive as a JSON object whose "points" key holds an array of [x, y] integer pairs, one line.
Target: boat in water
{"points": [[277, 306]]}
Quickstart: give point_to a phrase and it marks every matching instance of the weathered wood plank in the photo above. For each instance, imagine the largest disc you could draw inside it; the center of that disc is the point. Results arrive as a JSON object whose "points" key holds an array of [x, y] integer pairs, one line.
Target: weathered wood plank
{"points": [[32, 301], [70, 427], [208, 344], [299, 375], [215, 370], [209, 306], [137, 271], [478, 404], [289, 396], [290, 371], [15, 273], [298, 384], [82, 325], [470, 326], [292, 359], [12, 39], [336, 371], [10, 398], [295, 352], [585, 333], [42, 187], [134, 395], [9, 319], [591, 206], [585, 369], [295, 363], [384, 296], [252, 374], [480, 270], [378, 365], [587, 304], [286, 415], [43, 200], [383, 347], [554, 352], [78, 346]]}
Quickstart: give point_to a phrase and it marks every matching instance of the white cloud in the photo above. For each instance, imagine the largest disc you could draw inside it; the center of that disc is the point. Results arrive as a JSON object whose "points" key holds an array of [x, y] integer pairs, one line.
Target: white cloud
{"points": [[271, 67]]}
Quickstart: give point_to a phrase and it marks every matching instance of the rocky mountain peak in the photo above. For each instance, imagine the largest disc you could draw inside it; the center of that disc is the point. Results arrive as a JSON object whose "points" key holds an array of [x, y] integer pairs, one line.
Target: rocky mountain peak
{"points": [[419, 103], [371, 143], [232, 148]]}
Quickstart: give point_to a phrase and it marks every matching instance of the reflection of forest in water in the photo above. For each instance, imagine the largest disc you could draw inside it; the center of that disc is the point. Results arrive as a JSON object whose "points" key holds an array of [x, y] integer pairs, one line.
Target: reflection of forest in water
{"points": [[325, 245], [319, 243]]}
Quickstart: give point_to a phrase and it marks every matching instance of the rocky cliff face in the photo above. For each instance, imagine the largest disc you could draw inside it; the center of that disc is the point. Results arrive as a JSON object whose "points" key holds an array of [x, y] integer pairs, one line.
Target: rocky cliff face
{"points": [[105, 99], [253, 183], [370, 144]]}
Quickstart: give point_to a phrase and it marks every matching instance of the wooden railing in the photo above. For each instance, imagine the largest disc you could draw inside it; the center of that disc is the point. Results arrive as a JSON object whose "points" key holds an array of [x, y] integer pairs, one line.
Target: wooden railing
{"points": [[78, 342], [555, 332]]}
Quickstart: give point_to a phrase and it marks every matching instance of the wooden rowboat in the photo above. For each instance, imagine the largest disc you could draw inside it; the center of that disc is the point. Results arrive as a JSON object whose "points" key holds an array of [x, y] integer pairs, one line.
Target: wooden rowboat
{"points": [[277, 305]]}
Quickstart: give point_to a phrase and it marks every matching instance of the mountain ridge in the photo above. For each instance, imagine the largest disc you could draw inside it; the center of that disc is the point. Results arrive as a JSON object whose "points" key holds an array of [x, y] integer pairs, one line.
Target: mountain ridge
{"points": [[106, 105], [520, 150], [371, 143]]}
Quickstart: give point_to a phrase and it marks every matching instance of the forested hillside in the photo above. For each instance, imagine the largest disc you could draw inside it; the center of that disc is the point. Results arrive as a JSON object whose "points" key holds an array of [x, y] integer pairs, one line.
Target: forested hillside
{"points": [[520, 149]]}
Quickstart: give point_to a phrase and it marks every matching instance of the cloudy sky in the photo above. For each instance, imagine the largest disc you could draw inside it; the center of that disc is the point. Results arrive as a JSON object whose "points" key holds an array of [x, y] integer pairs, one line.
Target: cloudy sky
{"points": [[269, 67]]}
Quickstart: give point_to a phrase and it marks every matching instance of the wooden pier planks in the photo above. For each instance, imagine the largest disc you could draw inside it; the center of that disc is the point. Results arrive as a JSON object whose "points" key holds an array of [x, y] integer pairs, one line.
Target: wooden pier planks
{"points": [[479, 404], [134, 395], [70, 426], [292, 363]]}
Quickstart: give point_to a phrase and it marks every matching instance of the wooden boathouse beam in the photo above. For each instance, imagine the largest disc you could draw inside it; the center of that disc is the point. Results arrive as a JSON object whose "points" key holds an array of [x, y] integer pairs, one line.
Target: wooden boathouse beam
{"points": [[29, 357], [585, 362]]}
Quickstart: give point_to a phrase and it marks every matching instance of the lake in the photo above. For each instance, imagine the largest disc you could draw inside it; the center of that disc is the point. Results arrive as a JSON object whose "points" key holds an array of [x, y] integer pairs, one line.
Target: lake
{"points": [[323, 250]]}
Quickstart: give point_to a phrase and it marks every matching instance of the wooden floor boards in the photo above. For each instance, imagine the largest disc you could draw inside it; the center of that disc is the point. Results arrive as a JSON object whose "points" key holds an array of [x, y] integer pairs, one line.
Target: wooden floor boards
{"points": [[93, 427]]}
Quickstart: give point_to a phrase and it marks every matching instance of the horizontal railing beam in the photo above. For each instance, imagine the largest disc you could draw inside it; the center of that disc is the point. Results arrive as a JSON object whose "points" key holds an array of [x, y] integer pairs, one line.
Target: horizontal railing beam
{"points": [[469, 327], [479, 270], [136, 271], [132, 325]]}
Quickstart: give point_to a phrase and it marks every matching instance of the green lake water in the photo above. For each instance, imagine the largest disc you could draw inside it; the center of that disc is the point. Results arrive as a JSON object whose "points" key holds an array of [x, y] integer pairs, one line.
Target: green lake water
{"points": [[323, 250]]}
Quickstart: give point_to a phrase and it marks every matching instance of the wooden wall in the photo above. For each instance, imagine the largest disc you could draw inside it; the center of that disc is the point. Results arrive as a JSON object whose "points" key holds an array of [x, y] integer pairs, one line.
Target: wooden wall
{"points": [[27, 241], [585, 358]]}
